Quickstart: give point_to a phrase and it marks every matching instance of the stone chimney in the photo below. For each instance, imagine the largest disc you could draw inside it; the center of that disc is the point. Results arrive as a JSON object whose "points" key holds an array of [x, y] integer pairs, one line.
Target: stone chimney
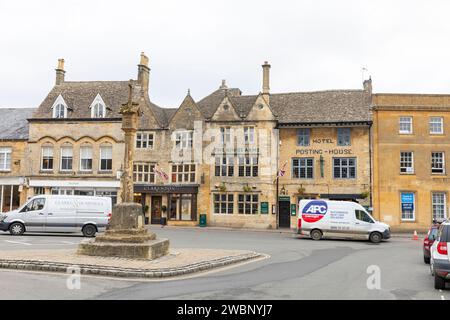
{"points": [[266, 79], [224, 85], [143, 72], [60, 72], [368, 85]]}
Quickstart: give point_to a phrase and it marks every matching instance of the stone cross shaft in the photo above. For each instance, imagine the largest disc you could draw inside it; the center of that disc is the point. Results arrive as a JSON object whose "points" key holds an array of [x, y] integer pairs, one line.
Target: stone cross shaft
{"points": [[130, 114]]}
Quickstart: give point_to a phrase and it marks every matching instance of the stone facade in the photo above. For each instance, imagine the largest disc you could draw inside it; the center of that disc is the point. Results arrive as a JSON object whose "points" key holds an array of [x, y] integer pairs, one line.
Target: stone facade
{"points": [[319, 181], [217, 156], [13, 144], [410, 199]]}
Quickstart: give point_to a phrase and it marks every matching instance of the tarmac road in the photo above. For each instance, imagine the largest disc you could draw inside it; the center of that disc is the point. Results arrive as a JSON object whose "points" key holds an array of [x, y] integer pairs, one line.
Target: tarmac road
{"points": [[296, 269]]}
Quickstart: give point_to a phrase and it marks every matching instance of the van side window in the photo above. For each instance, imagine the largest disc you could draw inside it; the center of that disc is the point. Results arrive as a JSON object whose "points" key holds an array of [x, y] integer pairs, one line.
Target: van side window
{"points": [[363, 216], [36, 204]]}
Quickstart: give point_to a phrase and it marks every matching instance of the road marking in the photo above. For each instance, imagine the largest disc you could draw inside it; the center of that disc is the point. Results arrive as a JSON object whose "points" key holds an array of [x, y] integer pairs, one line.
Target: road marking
{"points": [[68, 242], [18, 242], [442, 298]]}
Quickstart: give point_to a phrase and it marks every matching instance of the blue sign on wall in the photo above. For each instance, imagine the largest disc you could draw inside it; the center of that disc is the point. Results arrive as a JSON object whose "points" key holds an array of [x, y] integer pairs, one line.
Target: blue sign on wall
{"points": [[408, 197], [407, 206]]}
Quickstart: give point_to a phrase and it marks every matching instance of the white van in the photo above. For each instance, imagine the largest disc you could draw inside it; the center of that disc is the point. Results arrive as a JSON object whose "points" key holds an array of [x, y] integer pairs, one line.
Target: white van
{"points": [[339, 219], [59, 213]]}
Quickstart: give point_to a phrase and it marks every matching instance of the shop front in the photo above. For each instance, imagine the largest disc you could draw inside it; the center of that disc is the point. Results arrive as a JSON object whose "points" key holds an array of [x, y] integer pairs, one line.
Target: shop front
{"points": [[99, 188], [10, 189], [176, 203]]}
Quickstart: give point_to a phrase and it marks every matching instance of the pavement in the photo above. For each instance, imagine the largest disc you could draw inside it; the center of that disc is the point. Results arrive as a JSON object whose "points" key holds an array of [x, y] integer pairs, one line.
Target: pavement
{"points": [[296, 269]]}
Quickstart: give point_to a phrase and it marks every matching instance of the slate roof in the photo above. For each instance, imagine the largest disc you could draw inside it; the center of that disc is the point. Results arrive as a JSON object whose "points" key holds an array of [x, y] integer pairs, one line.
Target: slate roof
{"points": [[80, 95], [322, 106], [297, 107], [208, 105], [14, 124]]}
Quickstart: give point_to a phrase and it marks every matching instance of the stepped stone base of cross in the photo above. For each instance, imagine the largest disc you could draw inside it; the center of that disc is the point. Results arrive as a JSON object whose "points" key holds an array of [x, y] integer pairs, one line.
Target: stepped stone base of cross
{"points": [[126, 237]]}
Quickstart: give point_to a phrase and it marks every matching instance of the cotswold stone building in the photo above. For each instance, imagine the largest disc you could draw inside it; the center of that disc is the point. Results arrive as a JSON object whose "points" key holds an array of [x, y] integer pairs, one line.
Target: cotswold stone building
{"points": [[325, 143], [13, 142], [217, 156], [411, 144]]}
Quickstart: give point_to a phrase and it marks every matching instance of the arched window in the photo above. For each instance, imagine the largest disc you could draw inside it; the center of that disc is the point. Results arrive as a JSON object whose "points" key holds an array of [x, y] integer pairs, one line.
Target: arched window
{"points": [[106, 157], [47, 157], [86, 157]]}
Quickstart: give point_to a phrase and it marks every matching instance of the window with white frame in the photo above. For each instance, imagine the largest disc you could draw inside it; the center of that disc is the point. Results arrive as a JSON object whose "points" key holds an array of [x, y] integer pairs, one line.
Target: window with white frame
{"points": [[183, 139], [144, 140], [438, 200], [223, 203], [144, 172], [344, 168], [303, 168], [248, 166], [224, 166], [183, 173], [303, 136], [47, 158], [106, 158], [98, 107], [66, 158], [438, 162], [225, 135], [436, 125], [406, 162], [405, 125], [5, 158], [98, 110], [248, 203], [86, 158], [59, 111], [343, 136], [249, 135]]}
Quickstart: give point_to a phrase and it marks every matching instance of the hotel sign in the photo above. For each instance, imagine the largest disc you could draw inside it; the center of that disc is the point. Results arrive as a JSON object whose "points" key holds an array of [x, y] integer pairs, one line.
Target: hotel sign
{"points": [[324, 150]]}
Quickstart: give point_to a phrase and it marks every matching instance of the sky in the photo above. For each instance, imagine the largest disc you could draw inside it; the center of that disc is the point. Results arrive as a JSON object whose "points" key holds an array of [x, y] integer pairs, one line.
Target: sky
{"points": [[311, 45]]}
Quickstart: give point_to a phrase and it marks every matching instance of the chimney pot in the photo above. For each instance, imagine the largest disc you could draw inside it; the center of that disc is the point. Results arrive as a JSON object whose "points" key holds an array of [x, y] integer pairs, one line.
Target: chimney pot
{"points": [[60, 72], [266, 78], [224, 85], [143, 72]]}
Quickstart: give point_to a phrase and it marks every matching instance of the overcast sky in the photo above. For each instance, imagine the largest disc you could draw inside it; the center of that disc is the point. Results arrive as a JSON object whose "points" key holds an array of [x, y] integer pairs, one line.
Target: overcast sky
{"points": [[311, 45]]}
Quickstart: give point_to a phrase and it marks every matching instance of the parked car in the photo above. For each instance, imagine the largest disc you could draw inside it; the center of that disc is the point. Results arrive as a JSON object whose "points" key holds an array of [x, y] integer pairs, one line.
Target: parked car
{"points": [[440, 257], [339, 219], [59, 213], [428, 241]]}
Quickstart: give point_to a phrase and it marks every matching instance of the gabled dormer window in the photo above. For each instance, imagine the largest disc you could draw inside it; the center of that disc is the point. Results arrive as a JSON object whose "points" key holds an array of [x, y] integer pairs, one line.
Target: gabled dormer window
{"points": [[59, 108], [98, 109]]}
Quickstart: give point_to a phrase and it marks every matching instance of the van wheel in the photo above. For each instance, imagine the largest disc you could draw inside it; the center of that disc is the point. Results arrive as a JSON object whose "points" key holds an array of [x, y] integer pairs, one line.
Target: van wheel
{"points": [[16, 229], [89, 230], [439, 283], [375, 237], [316, 234]]}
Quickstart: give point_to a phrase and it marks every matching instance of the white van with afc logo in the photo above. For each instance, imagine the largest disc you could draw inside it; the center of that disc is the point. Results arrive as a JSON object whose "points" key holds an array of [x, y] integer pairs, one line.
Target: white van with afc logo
{"points": [[339, 219]]}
